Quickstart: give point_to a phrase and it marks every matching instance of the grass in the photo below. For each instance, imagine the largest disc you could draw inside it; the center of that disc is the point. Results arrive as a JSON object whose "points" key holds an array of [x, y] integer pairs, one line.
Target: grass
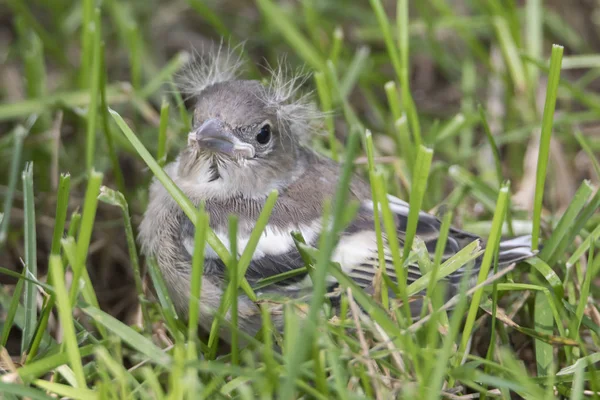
{"points": [[476, 116]]}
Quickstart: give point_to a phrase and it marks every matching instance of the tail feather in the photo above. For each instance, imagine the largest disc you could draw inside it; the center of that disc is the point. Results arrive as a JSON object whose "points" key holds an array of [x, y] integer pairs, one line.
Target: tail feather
{"points": [[514, 250]]}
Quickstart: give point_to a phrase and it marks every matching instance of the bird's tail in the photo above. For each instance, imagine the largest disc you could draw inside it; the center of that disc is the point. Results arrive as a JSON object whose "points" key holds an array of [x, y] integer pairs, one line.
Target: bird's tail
{"points": [[514, 250]]}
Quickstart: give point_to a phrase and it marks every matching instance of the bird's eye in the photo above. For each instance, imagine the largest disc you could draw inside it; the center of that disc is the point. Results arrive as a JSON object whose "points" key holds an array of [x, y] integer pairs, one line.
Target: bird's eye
{"points": [[264, 135]]}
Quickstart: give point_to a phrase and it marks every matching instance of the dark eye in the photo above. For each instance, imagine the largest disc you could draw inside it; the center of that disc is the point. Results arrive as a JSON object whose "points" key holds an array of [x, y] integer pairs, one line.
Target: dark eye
{"points": [[264, 135]]}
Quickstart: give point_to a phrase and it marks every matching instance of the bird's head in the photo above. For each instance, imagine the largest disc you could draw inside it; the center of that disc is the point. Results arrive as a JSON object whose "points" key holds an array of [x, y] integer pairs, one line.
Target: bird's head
{"points": [[246, 136]]}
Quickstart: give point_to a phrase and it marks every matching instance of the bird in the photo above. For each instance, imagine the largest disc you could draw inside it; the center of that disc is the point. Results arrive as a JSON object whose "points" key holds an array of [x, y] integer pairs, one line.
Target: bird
{"points": [[249, 138]]}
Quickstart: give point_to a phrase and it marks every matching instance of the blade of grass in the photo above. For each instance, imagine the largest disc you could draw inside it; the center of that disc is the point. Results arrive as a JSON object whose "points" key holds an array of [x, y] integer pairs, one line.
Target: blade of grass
{"points": [[460, 259], [452, 128], [439, 373], [376, 215], [391, 229], [408, 103], [294, 359], [52, 43], [87, 43], [35, 71], [417, 192], [117, 199], [584, 293], [511, 54], [108, 135], [386, 31], [580, 198], [164, 298], [22, 391], [65, 315], [488, 255], [336, 46], [41, 328], [94, 77], [534, 38], [583, 142], [164, 75], [19, 135], [62, 203], [492, 141], [9, 319], [544, 150], [49, 363], [355, 69], [30, 290], [161, 152], [282, 23], [135, 60], [544, 352], [585, 246], [196, 282], [242, 265], [65, 390], [233, 224], [326, 105], [137, 341], [90, 204], [203, 9]]}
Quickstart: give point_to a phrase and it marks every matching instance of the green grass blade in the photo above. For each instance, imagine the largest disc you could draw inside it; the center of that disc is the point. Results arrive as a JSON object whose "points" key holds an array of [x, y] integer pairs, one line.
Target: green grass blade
{"points": [[583, 142], [166, 305], [65, 310], [117, 199], [8, 321], [163, 75], [417, 192], [94, 77], [137, 341], [85, 235], [62, 203], [280, 21], [108, 135], [23, 391], [486, 263], [196, 281], [582, 195], [544, 151], [49, 363], [233, 278], [65, 390], [19, 135], [161, 152], [30, 292], [326, 105], [490, 138], [376, 216], [544, 353], [319, 285], [511, 54], [242, 266]]}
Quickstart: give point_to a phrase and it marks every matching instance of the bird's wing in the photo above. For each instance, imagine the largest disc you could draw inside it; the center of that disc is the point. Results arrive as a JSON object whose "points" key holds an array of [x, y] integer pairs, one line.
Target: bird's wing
{"points": [[357, 249]]}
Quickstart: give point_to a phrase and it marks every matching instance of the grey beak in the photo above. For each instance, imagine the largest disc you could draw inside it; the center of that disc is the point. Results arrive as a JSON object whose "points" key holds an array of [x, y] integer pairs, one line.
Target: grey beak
{"points": [[213, 135]]}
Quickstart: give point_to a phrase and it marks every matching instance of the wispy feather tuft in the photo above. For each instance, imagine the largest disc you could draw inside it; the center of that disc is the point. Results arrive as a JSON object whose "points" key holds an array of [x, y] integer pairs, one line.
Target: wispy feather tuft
{"points": [[282, 90], [294, 109], [218, 63]]}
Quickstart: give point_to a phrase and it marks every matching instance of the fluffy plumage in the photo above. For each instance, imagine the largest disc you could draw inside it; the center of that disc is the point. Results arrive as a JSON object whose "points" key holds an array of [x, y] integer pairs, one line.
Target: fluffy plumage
{"points": [[273, 120]]}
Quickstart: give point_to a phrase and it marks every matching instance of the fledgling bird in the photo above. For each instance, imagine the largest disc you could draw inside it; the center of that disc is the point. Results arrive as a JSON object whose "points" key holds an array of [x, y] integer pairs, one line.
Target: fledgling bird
{"points": [[248, 139]]}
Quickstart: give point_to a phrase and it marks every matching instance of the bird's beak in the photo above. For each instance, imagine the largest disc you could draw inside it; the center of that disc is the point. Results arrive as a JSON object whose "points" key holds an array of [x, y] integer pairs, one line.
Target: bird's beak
{"points": [[213, 135]]}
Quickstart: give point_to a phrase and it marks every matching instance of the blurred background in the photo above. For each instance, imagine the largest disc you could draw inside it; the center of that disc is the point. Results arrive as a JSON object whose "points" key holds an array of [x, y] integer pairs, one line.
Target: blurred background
{"points": [[463, 53]]}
